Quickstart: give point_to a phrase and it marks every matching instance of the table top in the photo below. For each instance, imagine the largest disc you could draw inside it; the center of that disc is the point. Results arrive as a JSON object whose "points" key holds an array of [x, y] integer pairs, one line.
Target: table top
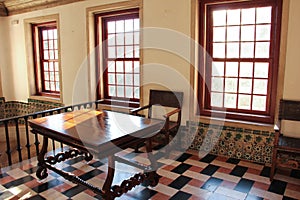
{"points": [[96, 130]]}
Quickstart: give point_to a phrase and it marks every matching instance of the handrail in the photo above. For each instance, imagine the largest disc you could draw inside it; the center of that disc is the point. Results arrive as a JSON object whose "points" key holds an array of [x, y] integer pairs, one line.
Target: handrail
{"points": [[11, 129]]}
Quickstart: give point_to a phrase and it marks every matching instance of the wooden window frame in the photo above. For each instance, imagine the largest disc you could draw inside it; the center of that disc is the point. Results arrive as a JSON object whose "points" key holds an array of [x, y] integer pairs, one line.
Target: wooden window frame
{"points": [[39, 59], [204, 77], [101, 39]]}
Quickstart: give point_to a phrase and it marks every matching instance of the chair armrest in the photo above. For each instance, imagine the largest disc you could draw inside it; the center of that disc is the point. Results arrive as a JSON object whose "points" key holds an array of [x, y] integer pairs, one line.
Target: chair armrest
{"points": [[177, 110], [136, 110]]}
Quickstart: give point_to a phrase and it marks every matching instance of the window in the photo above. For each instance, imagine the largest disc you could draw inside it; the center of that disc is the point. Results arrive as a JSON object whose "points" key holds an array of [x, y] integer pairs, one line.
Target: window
{"points": [[239, 75], [45, 40], [121, 58]]}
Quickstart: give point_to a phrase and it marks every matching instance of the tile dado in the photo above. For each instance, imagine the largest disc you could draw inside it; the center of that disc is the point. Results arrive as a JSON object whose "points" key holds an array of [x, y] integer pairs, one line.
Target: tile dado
{"points": [[16, 108], [233, 142]]}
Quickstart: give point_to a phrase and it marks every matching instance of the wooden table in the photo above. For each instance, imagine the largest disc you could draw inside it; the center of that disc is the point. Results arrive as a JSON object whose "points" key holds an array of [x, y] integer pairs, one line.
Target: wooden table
{"points": [[100, 134]]}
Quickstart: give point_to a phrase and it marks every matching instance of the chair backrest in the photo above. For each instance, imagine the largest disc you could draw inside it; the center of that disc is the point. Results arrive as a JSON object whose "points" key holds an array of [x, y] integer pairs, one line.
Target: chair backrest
{"points": [[289, 110], [166, 98]]}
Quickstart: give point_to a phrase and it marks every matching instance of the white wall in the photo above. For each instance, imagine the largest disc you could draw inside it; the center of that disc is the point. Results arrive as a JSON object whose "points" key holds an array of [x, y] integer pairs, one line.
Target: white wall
{"points": [[166, 55]]}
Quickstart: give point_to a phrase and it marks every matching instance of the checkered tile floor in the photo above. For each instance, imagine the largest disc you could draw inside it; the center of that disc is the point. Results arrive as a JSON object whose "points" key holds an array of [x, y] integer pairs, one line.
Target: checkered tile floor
{"points": [[189, 176]]}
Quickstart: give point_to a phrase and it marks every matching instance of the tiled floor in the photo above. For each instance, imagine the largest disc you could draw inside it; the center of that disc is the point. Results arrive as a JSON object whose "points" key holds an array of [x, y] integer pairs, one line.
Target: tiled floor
{"points": [[187, 177]]}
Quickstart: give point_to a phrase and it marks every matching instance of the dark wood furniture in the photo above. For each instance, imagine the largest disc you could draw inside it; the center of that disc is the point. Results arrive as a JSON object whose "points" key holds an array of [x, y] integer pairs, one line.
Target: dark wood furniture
{"points": [[286, 148], [167, 99], [100, 134]]}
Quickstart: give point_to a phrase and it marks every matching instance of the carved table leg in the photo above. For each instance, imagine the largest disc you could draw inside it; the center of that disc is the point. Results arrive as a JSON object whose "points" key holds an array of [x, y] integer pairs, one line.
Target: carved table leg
{"points": [[110, 175], [41, 172], [153, 176]]}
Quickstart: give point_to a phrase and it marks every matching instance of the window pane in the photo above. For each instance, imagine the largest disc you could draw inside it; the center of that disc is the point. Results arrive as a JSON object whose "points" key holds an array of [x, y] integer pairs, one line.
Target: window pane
{"points": [[263, 32], [244, 102], [129, 51], [136, 79], [216, 99], [46, 66], [245, 86], [219, 18], [247, 33], [120, 91], [136, 65], [50, 34], [119, 66], [219, 50], [232, 69], [111, 79], [128, 92], [136, 24], [111, 40], [111, 52], [136, 92], [219, 34], [51, 66], [128, 79], [46, 55], [230, 101], [46, 46], [260, 86], [128, 66], [128, 25], [247, 50], [45, 34], [263, 15], [246, 69], [233, 33], [111, 66], [248, 16], [47, 85], [119, 26], [231, 85], [112, 91], [136, 36], [136, 51], [262, 50], [218, 69], [259, 103], [233, 50], [56, 66], [217, 84], [120, 39], [233, 17], [128, 39], [120, 52], [46, 76], [261, 70], [120, 79]]}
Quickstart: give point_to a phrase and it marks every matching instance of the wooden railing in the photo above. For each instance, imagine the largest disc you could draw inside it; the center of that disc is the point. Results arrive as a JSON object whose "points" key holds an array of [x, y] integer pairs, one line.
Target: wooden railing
{"points": [[26, 145]]}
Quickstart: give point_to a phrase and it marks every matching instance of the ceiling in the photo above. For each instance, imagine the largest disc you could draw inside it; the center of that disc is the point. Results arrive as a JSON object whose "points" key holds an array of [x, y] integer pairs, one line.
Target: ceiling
{"points": [[12, 7]]}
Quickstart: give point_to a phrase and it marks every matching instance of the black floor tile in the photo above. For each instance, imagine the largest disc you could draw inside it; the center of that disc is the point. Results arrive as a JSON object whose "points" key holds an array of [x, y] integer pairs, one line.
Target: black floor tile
{"points": [[180, 169], [244, 185], [211, 184], [179, 182], [37, 197], [288, 198], [210, 170], [90, 174], [233, 161], [74, 191], [239, 171], [295, 173], [96, 164], [145, 194], [47, 185], [208, 158], [18, 181], [3, 175], [252, 197], [180, 196], [69, 169], [184, 157], [277, 187], [266, 172], [74, 160]]}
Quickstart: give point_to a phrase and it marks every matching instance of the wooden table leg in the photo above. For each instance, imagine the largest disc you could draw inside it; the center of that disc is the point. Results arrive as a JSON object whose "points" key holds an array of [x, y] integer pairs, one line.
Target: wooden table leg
{"points": [[110, 175], [153, 176], [41, 172]]}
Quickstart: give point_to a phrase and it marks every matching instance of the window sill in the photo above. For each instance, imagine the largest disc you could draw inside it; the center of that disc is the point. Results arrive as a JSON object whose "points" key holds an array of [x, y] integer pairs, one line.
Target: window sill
{"points": [[117, 105], [46, 98], [237, 123]]}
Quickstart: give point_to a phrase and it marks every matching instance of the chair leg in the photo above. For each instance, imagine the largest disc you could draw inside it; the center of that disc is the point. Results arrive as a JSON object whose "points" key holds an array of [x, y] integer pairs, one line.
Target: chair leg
{"points": [[274, 161]]}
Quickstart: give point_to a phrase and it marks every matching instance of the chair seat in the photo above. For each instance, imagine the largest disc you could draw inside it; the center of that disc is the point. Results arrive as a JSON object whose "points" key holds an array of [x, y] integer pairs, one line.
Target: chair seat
{"points": [[289, 143]]}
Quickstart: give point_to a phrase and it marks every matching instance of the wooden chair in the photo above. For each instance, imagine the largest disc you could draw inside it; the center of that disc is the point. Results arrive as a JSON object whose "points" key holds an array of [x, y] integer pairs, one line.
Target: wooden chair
{"points": [[172, 102], [287, 139]]}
